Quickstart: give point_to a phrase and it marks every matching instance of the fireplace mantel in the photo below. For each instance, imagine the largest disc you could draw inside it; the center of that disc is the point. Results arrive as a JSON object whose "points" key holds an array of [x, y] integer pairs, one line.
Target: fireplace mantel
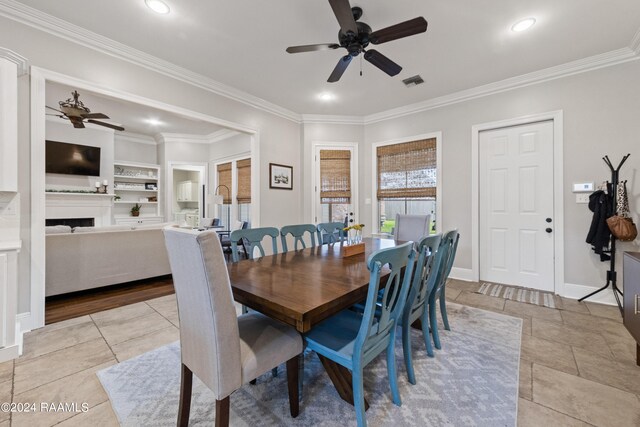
{"points": [[80, 205]]}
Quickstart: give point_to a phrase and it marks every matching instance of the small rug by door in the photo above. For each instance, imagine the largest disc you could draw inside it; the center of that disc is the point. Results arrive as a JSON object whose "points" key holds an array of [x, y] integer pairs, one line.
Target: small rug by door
{"points": [[515, 293], [472, 381]]}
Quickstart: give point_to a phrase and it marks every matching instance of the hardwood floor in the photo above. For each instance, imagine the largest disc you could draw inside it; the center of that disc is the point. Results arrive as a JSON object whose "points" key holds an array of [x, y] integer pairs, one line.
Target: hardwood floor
{"points": [[69, 306]]}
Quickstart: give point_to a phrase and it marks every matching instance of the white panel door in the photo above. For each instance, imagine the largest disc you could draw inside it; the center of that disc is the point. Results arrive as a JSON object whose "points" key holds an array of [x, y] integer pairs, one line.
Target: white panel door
{"points": [[516, 206]]}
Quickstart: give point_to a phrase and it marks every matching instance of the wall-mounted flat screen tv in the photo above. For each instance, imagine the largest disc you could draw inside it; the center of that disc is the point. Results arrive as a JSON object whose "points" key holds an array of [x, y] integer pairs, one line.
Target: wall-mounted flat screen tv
{"points": [[72, 159]]}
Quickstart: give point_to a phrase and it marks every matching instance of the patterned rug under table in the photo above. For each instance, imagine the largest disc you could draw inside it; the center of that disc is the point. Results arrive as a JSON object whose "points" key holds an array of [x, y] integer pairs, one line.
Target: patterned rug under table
{"points": [[472, 381]]}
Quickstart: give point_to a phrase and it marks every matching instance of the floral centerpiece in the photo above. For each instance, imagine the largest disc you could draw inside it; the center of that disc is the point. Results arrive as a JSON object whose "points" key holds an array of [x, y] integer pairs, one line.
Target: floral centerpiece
{"points": [[354, 233]]}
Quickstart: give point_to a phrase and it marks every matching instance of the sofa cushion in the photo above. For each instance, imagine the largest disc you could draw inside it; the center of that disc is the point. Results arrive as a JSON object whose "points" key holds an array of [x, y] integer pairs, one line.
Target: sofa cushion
{"points": [[102, 229], [57, 229]]}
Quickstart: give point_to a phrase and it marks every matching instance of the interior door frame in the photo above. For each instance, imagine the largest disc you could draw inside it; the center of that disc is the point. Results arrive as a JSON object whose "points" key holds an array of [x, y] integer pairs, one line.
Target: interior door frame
{"points": [[556, 117], [320, 145], [172, 165]]}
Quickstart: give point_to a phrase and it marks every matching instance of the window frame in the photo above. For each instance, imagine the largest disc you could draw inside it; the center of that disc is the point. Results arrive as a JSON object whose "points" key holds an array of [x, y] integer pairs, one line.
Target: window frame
{"points": [[375, 206]]}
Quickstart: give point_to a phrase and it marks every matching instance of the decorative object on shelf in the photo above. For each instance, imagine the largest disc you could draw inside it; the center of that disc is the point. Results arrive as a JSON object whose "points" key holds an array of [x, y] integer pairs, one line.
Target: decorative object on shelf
{"points": [[102, 188], [116, 198], [218, 199], [135, 210], [280, 176], [153, 199], [150, 186]]}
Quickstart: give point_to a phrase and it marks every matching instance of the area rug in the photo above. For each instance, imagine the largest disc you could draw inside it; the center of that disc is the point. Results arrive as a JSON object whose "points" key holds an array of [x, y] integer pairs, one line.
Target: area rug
{"points": [[515, 293], [472, 381]]}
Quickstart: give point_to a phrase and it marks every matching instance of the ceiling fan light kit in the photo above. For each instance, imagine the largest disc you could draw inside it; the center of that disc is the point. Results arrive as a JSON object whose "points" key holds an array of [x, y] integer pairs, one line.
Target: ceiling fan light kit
{"points": [[355, 37]]}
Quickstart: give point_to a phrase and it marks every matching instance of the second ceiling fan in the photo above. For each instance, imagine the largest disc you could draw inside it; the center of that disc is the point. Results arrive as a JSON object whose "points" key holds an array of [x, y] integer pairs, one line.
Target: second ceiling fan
{"points": [[355, 36]]}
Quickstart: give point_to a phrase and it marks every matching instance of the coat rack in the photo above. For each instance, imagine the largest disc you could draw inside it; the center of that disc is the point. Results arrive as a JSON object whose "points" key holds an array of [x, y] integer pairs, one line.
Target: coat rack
{"points": [[611, 273]]}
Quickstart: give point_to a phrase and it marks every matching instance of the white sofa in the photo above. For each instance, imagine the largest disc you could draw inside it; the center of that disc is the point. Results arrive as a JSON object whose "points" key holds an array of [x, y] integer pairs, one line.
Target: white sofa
{"points": [[91, 257]]}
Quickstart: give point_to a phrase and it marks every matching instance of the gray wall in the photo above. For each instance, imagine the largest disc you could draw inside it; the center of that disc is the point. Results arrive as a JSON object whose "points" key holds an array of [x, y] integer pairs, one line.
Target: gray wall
{"points": [[131, 151], [601, 116]]}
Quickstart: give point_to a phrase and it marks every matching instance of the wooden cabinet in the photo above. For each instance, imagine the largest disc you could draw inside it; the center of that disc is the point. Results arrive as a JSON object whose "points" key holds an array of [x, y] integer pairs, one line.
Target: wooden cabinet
{"points": [[631, 265]]}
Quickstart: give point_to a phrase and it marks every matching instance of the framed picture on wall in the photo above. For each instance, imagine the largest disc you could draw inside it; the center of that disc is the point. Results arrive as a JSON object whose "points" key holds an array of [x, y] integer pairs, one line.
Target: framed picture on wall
{"points": [[280, 176]]}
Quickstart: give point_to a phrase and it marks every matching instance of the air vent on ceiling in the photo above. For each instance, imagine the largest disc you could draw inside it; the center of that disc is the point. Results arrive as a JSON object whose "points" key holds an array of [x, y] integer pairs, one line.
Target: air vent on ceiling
{"points": [[413, 81]]}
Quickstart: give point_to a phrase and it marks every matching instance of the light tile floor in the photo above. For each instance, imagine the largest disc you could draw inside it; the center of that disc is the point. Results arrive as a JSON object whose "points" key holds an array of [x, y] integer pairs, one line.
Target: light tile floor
{"points": [[577, 364]]}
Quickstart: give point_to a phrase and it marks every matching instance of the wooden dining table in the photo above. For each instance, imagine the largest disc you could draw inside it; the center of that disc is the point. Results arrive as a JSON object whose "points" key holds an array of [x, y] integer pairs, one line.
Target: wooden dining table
{"points": [[302, 288]]}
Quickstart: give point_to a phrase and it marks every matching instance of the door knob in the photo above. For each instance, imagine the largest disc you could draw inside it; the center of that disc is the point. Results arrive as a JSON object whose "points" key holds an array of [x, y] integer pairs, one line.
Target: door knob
{"points": [[549, 230], [548, 219]]}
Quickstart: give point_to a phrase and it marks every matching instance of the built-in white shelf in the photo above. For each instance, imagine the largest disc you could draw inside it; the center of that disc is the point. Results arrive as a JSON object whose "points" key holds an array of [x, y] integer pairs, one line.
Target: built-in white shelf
{"points": [[135, 190], [133, 202], [135, 178]]}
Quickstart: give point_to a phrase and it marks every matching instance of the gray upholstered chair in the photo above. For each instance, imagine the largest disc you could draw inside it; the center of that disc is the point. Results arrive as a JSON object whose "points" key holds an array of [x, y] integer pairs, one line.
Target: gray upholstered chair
{"points": [[223, 350], [411, 227]]}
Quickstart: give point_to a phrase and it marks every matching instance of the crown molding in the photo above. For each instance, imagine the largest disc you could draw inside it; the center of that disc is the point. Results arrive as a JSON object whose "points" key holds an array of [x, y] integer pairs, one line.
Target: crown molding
{"points": [[333, 120], [570, 68], [17, 59], [221, 135], [57, 27], [635, 43], [171, 138], [136, 138]]}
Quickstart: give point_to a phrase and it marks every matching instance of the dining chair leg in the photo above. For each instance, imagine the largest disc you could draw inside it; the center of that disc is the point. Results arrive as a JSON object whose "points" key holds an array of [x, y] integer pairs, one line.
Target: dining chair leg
{"points": [[292, 383], [391, 371], [222, 412], [274, 372], [300, 375], [186, 380], [406, 350], [433, 321], [424, 320], [358, 396], [443, 310]]}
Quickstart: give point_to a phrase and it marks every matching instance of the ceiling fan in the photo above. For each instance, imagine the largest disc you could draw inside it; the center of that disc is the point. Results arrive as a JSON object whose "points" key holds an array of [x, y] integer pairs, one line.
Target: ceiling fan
{"points": [[355, 36], [75, 111]]}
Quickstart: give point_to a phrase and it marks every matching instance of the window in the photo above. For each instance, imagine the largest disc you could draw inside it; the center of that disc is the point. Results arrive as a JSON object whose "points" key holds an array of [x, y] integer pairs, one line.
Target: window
{"points": [[335, 184], [243, 170], [406, 181]]}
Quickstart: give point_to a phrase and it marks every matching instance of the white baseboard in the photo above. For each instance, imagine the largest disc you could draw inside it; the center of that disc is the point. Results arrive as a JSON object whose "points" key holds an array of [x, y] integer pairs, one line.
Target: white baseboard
{"points": [[573, 291], [9, 353], [458, 273]]}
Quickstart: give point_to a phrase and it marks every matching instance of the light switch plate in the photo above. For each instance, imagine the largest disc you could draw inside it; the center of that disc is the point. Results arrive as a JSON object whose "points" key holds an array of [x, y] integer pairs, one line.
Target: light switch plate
{"points": [[582, 198]]}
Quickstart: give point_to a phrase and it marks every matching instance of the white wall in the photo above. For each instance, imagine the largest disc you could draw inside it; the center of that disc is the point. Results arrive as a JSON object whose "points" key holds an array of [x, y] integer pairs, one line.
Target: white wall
{"points": [[601, 111], [93, 136], [130, 150], [279, 137]]}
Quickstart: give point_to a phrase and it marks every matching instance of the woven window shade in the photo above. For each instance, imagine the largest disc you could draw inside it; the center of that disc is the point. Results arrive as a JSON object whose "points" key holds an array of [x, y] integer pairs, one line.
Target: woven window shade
{"points": [[407, 170], [224, 178], [335, 176], [244, 181]]}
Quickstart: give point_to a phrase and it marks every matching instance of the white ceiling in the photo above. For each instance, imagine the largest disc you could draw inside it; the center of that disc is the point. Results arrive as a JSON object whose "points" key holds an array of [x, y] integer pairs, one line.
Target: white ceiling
{"points": [[469, 43], [133, 117]]}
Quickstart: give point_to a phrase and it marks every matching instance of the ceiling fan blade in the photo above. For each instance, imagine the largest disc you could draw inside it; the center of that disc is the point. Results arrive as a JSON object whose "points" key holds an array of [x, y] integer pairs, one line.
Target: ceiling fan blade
{"points": [[382, 62], [95, 122], [54, 109], [78, 124], [312, 47], [343, 63], [94, 116], [398, 31], [342, 10]]}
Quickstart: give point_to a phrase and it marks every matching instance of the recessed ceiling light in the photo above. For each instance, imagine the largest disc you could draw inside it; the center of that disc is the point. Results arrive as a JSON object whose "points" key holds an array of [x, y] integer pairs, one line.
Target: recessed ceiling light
{"points": [[523, 24], [153, 122], [157, 6], [326, 96]]}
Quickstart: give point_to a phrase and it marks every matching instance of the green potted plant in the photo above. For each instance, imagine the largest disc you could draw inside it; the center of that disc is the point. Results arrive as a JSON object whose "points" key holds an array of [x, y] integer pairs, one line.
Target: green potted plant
{"points": [[135, 210]]}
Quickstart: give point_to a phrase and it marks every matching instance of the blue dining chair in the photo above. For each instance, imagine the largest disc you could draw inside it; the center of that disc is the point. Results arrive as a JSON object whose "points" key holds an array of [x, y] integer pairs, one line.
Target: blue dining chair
{"points": [[448, 246], [252, 238], [353, 340], [330, 232], [297, 231], [417, 306]]}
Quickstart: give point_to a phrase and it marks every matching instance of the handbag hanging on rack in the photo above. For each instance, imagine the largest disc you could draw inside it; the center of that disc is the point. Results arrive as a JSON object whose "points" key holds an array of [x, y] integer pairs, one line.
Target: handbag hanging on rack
{"points": [[621, 224]]}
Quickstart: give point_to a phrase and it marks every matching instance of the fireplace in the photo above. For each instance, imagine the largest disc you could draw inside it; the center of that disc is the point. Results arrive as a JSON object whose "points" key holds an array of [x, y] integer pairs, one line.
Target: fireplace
{"points": [[71, 222]]}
